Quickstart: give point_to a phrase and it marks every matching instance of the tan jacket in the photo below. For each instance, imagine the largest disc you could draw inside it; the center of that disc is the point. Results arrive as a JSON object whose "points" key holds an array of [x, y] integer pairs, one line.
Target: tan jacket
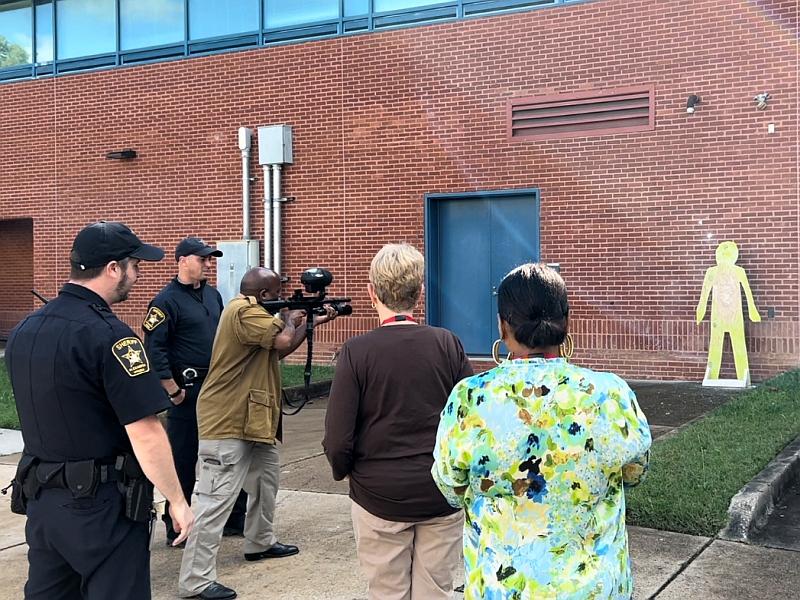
{"points": [[241, 396]]}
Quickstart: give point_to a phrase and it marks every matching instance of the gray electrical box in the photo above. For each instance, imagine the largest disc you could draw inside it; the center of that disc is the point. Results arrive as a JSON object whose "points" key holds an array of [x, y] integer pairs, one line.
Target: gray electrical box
{"points": [[238, 256], [275, 145]]}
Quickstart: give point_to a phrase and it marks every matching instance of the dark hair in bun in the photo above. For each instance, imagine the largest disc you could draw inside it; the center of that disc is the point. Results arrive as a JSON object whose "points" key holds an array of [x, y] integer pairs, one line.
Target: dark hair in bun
{"points": [[532, 299]]}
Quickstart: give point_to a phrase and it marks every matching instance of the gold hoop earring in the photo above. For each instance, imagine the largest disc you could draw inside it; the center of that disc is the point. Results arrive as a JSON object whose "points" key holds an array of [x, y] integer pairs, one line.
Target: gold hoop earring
{"points": [[567, 347], [496, 352], [373, 305]]}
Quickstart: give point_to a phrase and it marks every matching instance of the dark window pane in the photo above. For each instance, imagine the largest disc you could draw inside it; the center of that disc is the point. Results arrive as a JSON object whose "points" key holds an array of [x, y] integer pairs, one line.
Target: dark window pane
{"points": [[85, 27], [145, 23], [16, 29], [284, 13], [355, 7], [388, 5], [212, 18], [44, 31]]}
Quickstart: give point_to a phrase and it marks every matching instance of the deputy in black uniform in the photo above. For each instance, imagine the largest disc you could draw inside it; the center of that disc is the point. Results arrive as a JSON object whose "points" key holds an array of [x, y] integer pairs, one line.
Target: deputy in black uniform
{"points": [[87, 397], [179, 332]]}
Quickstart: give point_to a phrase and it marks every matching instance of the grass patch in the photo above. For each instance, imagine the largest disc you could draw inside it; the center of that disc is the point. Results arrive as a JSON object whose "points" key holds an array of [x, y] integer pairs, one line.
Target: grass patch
{"points": [[695, 473], [292, 375], [8, 410]]}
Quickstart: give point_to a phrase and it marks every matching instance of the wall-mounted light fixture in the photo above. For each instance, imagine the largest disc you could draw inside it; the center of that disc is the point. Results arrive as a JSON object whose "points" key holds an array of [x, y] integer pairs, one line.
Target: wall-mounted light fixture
{"points": [[126, 154], [691, 103], [761, 100]]}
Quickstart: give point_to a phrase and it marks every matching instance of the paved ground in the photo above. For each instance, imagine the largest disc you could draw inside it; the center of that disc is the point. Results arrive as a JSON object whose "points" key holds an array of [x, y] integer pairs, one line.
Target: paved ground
{"points": [[313, 511], [783, 527]]}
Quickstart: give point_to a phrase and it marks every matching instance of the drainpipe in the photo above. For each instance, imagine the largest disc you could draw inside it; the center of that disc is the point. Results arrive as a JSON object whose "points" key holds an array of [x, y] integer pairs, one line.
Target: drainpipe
{"points": [[245, 135], [267, 216], [277, 198]]}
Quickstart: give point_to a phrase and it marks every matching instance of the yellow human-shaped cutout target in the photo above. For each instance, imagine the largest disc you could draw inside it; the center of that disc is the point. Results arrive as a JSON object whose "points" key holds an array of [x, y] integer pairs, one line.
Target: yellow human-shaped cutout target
{"points": [[726, 311]]}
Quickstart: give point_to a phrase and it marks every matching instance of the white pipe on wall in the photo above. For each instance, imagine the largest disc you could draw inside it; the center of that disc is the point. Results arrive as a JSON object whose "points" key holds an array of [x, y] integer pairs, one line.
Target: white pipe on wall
{"points": [[277, 198], [267, 216], [244, 145]]}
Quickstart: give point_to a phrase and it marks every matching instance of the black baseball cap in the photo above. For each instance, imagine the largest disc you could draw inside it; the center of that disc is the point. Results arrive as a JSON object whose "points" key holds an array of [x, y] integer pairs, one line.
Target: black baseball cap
{"points": [[193, 245], [100, 243]]}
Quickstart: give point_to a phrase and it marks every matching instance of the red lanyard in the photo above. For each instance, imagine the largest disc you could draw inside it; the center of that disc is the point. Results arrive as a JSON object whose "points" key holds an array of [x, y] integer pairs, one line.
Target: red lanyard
{"points": [[546, 355], [399, 318]]}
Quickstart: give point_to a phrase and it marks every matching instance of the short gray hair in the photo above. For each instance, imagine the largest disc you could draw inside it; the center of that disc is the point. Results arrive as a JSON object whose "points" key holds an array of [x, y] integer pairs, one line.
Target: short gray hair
{"points": [[397, 272]]}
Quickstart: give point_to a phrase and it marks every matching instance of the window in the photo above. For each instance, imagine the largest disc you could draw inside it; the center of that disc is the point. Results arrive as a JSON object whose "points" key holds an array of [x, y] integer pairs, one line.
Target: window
{"points": [[85, 27], [390, 5], [62, 36], [213, 18], [284, 13], [16, 29], [354, 8], [581, 114], [145, 23], [44, 31]]}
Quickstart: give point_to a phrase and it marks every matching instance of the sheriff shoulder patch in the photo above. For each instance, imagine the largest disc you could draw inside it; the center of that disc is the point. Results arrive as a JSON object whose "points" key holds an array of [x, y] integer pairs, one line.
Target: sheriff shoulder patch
{"points": [[131, 355], [155, 317]]}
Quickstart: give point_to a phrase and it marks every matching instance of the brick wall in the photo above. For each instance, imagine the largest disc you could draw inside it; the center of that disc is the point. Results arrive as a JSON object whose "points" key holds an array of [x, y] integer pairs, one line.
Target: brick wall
{"points": [[16, 248], [381, 119]]}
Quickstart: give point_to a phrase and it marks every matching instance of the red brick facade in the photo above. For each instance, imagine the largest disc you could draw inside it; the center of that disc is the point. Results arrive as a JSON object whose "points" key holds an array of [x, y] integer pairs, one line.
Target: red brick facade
{"points": [[383, 118], [16, 248]]}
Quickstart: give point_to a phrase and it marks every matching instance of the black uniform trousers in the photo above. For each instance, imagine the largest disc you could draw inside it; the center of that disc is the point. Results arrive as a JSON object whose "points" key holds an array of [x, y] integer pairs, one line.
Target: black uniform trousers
{"points": [[183, 438], [85, 549]]}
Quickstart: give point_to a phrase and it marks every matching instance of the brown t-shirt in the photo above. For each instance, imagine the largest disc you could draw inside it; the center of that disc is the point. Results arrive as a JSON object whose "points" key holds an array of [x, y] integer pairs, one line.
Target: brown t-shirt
{"points": [[389, 389]]}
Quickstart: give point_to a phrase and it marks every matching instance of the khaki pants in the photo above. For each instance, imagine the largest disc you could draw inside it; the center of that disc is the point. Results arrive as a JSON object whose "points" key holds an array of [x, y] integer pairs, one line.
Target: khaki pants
{"points": [[408, 561], [227, 466]]}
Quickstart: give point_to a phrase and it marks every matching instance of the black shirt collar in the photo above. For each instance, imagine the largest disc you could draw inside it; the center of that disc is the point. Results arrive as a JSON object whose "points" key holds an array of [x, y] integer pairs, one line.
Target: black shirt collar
{"points": [[84, 293], [189, 286]]}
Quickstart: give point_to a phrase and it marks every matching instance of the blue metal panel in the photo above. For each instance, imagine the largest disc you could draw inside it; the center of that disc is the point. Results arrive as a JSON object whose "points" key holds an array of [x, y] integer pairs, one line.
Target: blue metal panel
{"points": [[471, 242], [515, 234], [240, 41], [463, 257]]}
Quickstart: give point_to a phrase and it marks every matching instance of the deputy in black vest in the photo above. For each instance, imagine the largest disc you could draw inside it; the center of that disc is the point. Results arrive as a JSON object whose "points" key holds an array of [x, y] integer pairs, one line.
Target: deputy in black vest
{"points": [[179, 332], [87, 399]]}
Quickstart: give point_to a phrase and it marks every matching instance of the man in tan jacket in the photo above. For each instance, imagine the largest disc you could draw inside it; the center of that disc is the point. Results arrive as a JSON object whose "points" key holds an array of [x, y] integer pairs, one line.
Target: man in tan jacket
{"points": [[239, 416]]}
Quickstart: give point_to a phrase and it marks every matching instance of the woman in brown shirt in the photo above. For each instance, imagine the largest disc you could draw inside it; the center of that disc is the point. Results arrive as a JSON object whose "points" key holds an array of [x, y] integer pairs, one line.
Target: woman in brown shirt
{"points": [[390, 386]]}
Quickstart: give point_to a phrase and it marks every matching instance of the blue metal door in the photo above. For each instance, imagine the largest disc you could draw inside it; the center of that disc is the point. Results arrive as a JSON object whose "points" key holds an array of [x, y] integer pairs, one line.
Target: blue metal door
{"points": [[472, 241]]}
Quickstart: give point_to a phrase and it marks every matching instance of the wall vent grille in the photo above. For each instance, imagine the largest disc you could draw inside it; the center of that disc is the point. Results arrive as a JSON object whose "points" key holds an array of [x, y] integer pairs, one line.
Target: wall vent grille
{"points": [[581, 114]]}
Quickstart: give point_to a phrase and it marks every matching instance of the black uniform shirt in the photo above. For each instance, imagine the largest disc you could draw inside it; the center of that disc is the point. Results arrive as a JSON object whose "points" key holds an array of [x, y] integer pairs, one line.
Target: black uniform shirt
{"points": [[180, 326], [79, 375]]}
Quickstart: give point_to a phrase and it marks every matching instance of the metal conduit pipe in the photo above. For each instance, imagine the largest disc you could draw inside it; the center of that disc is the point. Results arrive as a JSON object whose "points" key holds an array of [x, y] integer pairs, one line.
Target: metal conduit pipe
{"points": [[245, 135], [267, 216], [277, 198]]}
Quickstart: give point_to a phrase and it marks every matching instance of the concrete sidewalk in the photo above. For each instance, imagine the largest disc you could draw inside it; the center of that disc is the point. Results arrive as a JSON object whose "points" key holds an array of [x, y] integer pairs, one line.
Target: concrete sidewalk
{"points": [[314, 512]]}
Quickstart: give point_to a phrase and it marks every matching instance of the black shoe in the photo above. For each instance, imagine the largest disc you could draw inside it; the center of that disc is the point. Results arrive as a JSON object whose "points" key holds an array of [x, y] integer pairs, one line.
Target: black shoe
{"points": [[277, 550], [216, 591], [232, 531]]}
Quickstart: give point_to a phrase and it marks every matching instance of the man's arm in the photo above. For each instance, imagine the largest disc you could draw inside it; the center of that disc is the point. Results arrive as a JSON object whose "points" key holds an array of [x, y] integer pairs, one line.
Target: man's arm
{"points": [[158, 327], [293, 334], [152, 450]]}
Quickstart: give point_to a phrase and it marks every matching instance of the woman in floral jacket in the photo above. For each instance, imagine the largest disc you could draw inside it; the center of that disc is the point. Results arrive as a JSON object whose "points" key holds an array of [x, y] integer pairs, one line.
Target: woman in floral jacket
{"points": [[537, 451]]}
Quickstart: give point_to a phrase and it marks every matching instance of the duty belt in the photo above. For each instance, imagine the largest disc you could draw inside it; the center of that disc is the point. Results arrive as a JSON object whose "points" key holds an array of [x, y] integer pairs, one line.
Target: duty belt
{"points": [[80, 477]]}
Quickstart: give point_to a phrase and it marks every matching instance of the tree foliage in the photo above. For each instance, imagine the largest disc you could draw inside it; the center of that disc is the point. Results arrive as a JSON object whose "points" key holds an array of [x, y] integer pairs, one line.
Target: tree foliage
{"points": [[12, 54]]}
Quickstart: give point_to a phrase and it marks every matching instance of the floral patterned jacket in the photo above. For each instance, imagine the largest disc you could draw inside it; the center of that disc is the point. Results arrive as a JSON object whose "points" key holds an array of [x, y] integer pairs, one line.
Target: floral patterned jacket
{"points": [[536, 451]]}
